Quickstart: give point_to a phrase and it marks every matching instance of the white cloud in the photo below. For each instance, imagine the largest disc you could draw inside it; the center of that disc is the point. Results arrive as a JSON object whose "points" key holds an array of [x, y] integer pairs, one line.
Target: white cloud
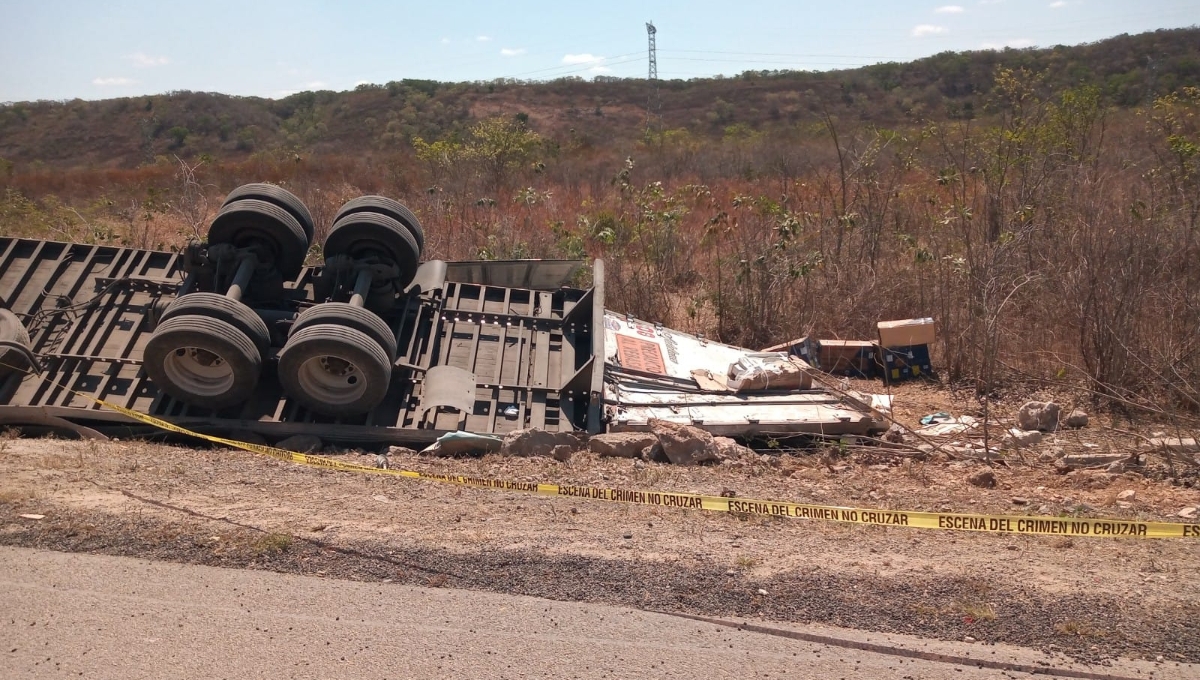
{"points": [[927, 29], [1057, 4], [316, 85], [445, 41], [584, 58], [512, 52], [483, 38], [362, 82], [143, 60], [949, 9], [1017, 43], [113, 82]]}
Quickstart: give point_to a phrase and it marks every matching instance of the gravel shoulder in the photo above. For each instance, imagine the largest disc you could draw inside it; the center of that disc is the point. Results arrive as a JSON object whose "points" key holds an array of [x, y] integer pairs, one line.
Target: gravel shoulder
{"points": [[1091, 598]]}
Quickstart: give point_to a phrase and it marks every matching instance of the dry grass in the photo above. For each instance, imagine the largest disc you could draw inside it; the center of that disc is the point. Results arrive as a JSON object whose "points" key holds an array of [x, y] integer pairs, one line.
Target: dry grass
{"points": [[272, 544], [978, 611]]}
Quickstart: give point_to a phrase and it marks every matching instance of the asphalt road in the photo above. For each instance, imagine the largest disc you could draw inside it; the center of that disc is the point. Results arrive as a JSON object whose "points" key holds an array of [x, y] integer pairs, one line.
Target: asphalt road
{"points": [[72, 615]]}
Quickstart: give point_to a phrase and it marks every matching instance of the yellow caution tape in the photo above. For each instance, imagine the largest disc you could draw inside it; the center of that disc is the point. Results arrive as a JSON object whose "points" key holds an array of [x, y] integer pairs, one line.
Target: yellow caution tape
{"points": [[1001, 524]]}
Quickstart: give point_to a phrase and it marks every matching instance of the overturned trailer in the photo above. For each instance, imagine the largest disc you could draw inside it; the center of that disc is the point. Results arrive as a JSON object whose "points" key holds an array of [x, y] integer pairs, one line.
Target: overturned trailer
{"points": [[483, 347]]}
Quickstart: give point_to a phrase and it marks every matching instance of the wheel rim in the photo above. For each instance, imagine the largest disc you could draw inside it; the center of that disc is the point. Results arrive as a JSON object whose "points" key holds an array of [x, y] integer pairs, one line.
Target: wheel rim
{"points": [[199, 371], [332, 380]]}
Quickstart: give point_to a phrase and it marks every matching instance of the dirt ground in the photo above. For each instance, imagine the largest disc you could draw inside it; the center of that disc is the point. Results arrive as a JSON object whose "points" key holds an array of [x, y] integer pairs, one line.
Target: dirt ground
{"points": [[1091, 598]]}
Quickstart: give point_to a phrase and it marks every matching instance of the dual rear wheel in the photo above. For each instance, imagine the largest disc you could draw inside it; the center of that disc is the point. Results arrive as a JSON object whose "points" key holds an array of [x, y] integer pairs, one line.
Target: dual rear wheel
{"points": [[209, 350]]}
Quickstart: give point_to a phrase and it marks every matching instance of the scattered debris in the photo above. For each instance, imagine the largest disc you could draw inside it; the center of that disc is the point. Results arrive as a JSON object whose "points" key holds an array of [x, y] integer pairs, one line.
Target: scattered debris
{"points": [[1019, 438], [934, 418], [728, 449], [459, 443], [1020, 500], [300, 443], [1088, 460], [684, 444], [381, 461], [1039, 415], [984, 479], [32, 516], [1076, 419], [622, 444], [1188, 513], [1175, 444], [769, 370], [1127, 495], [895, 434], [540, 443], [948, 427]]}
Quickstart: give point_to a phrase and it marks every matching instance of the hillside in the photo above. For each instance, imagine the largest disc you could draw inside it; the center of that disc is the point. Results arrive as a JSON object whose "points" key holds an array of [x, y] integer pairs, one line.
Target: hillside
{"points": [[124, 133], [1042, 205]]}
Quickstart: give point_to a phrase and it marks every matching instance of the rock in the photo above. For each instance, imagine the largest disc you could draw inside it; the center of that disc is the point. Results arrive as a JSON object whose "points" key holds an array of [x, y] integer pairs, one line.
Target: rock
{"points": [[1117, 467], [1020, 438], [895, 434], [1187, 513], [684, 444], [1174, 444], [654, 453], [761, 591], [984, 479], [398, 451], [621, 444], [1124, 505], [300, 443], [1046, 457], [562, 452], [627, 536], [248, 437], [728, 493], [639, 464], [1126, 495], [1076, 419], [1039, 415], [1043, 509], [538, 443], [1084, 460], [1018, 500], [729, 449]]}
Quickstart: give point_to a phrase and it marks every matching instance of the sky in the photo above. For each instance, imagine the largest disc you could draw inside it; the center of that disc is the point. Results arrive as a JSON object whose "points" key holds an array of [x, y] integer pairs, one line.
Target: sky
{"points": [[99, 49]]}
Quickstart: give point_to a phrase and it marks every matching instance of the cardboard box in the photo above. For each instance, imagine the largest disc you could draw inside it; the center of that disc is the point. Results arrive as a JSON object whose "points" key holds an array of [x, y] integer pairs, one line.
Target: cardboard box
{"points": [[853, 358], [769, 371], [805, 348], [906, 332], [906, 363]]}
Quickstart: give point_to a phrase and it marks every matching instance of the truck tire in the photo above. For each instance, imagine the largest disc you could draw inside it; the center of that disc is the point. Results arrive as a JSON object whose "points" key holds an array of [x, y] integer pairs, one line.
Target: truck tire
{"points": [[271, 230], [365, 235], [202, 361], [344, 314], [12, 330], [221, 308], [280, 197], [334, 370], [386, 206]]}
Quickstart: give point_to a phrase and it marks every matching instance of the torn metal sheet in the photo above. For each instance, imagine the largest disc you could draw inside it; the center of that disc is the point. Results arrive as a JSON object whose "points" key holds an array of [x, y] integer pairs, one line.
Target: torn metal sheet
{"points": [[652, 372]]}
